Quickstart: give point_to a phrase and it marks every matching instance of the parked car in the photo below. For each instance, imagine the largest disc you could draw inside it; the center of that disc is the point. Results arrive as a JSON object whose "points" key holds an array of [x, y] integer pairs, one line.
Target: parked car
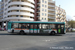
{"points": [[70, 29], [73, 29], [0, 29]]}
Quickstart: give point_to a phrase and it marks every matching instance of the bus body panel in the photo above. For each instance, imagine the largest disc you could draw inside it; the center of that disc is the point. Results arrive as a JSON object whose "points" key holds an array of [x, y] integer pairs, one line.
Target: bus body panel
{"points": [[35, 30]]}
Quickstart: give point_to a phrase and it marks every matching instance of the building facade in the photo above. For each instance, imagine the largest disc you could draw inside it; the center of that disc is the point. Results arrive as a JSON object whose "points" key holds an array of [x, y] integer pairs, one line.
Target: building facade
{"points": [[60, 14], [29, 10], [46, 10], [1, 12], [18, 10]]}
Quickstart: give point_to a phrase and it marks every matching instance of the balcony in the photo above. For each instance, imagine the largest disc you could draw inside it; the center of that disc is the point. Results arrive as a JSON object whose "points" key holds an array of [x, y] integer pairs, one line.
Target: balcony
{"points": [[21, 3], [49, 1], [38, 3], [51, 17], [1, 12], [38, 7], [51, 5], [21, 13], [38, 16], [1, 16], [2, 5], [51, 21], [20, 8], [64, 14], [1, 9], [31, 1], [38, 11], [51, 9], [18, 18], [58, 17], [51, 13]]}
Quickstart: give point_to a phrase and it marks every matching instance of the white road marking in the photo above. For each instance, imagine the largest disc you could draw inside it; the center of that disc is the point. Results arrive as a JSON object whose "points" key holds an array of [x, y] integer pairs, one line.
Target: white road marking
{"points": [[49, 40]]}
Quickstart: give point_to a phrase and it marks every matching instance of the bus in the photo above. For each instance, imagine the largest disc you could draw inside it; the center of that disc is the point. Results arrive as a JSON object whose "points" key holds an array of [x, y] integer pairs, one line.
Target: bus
{"points": [[37, 27]]}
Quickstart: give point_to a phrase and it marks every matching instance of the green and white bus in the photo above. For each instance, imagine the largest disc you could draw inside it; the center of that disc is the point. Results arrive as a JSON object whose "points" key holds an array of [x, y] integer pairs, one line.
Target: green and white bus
{"points": [[30, 27]]}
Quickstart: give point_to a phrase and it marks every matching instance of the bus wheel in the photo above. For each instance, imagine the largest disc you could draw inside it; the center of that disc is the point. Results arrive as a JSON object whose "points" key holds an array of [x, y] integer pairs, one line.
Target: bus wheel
{"points": [[21, 32], [52, 33], [12, 31]]}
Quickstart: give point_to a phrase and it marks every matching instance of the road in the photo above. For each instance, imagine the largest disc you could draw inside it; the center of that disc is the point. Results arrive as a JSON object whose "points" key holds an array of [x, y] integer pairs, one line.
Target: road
{"points": [[37, 42]]}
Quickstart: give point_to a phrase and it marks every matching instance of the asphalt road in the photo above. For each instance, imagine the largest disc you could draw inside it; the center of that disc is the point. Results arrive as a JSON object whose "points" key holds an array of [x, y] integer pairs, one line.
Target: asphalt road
{"points": [[37, 42]]}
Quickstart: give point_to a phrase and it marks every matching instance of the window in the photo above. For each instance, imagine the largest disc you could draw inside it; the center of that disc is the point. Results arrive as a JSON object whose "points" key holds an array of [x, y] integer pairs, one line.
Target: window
{"points": [[9, 1], [21, 16], [14, 25], [45, 10], [22, 0], [31, 26], [42, 13], [22, 6], [17, 10], [43, 1], [35, 26], [52, 26], [16, 15], [45, 14], [42, 5], [42, 9], [17, 5], [45, 26], [45, 18], [45, 6], [42, 18]]}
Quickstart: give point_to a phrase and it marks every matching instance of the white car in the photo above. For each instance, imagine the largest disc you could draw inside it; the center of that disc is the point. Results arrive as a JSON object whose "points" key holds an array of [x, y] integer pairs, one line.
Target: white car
{"points": [[2, 29], [70, 29], [73, 29]]}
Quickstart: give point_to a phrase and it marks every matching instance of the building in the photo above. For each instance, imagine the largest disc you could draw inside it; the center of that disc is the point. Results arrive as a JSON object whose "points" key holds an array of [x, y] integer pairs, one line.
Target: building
{"points": [[1, 12], [45, 10], [60, 14], [29, 10], [18, 10]]}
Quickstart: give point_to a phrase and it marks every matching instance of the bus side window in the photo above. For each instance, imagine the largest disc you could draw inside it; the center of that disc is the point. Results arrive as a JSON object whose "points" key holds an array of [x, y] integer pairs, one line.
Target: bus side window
{"points": [[35, 26], [52, 26], [31, 26]]}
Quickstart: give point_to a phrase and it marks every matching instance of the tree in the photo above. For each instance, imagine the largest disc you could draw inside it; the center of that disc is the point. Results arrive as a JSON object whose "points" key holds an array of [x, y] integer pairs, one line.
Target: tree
{"points": [[71, 23]]}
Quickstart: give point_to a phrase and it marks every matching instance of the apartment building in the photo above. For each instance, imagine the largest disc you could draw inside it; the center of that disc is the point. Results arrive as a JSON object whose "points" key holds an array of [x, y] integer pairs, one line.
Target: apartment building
{"points": [[60, 14], [46, 10], [18, 10], [29, 10], [1, 12]]}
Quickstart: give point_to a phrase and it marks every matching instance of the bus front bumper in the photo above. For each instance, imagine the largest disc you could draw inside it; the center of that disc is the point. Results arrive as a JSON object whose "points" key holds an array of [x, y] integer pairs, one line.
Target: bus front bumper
{"points": [[9, 31]]}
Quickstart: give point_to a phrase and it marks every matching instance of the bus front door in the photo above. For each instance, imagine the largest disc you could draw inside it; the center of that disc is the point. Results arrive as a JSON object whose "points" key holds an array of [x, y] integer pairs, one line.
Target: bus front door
{"points": [[60, 29]]}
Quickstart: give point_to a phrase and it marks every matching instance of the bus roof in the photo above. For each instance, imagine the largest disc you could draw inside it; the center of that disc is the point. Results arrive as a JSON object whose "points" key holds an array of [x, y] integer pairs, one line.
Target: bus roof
{"points": [[36, 22]]}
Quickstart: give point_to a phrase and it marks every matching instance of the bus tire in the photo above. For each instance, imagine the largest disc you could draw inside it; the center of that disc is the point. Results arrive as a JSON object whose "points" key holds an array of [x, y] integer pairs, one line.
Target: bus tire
{"points": [[21, 32], [52, 33], [12, 31]]}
